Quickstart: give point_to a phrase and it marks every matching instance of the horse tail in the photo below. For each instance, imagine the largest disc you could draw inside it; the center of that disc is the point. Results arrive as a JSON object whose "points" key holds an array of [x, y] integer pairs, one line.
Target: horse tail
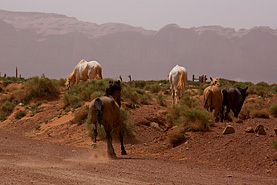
{"points": [[208, 97], [181, 82], [98, 106]]}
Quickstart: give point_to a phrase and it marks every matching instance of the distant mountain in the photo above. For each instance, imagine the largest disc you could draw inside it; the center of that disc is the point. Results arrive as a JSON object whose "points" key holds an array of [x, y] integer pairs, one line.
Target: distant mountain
{"points": [[52, 44]]}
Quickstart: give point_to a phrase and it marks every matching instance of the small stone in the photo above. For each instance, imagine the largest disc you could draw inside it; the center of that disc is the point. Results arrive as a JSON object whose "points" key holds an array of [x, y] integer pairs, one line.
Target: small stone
{"points": [[249, 130], [260, 130], [229, 130], [275, 130]]}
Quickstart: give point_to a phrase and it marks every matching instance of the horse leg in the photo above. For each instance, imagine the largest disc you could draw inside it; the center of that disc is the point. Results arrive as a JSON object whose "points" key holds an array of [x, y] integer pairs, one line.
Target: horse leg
{"points": [[123, 152], [173, 96], [110, 148], [94, 127], [216, 112]]}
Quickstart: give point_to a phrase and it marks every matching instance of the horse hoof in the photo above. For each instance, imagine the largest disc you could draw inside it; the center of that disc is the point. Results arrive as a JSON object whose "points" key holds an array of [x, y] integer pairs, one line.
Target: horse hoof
{"points": [[93, 145], [123, 153]]}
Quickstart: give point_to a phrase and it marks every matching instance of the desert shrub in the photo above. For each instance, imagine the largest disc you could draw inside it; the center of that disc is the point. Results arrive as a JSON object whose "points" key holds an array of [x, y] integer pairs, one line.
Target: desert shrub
{"points": [[80, 115], [20, 114], [243, 84], [160, 100], [188, 101], [259, 113], [40, 88], [84, 91], [128, 127], [6, 109], [273, 110], [186, 114], [137, 84], [154, 88], [197, 120], [263, 84], [134, 95], [35, 108], [176, 136], [72, 100], [274, 89]]}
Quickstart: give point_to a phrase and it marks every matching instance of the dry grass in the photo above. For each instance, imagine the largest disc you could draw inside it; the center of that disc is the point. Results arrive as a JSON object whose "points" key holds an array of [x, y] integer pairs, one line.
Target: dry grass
{"points": [[263, 113]]}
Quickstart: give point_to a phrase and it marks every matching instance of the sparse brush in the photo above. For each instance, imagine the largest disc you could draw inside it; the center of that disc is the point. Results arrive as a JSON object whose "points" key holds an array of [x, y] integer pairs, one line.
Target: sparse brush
{"points": [[128, 127], [6, 109], [188, 101], [197, 120], [80, 115], [273, 110], [20, 114], [259, 114], [134, 95], [176, 136], [41, 88], [160, 100]]}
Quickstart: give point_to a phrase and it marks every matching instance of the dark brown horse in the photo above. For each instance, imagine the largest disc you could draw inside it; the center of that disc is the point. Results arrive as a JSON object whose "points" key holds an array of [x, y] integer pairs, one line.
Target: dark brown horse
{"points": [[105, 110]]}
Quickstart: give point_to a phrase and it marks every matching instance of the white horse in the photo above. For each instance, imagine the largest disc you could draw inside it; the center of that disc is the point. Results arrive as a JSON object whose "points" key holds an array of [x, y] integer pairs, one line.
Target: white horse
{"points": [[178, 79], [84, 71]]}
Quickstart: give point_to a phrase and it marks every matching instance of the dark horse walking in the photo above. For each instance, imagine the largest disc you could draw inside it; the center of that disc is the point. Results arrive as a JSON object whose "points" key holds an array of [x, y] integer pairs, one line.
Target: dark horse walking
{"points": [[105, 110]]}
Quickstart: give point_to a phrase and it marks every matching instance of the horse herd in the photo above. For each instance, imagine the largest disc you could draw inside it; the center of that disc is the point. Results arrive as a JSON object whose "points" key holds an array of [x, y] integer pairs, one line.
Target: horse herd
{"points": [[105, 110]]}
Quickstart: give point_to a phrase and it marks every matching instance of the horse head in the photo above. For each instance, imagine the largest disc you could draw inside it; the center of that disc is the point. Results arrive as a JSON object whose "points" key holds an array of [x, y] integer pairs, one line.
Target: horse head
{"points": [[70, 81], [114, 90], [215, 81]]}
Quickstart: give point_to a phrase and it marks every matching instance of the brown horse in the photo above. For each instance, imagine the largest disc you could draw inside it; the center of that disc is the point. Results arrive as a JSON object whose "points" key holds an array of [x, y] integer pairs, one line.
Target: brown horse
{"points": [[213, 99], [105, 110]]}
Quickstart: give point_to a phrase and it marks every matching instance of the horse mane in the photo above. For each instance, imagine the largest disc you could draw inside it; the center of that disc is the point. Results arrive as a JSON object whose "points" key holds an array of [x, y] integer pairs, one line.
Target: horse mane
{"points": [[114, 87], [81, 61], [181, 80]]}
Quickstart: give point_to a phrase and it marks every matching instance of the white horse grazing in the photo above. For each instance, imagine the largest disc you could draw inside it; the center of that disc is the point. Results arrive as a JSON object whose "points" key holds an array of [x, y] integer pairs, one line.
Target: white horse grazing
{"points": [[178, 79], [84, 71]]}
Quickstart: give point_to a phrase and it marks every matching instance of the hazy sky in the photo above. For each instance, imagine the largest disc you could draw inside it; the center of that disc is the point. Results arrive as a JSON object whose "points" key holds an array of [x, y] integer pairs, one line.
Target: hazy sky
{"points": [[154, 14]]}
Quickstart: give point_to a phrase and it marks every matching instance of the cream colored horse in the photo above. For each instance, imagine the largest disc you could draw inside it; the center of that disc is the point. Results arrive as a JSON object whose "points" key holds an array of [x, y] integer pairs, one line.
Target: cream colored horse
{"points": [[178, 79], [213, 99], [84, 71]]}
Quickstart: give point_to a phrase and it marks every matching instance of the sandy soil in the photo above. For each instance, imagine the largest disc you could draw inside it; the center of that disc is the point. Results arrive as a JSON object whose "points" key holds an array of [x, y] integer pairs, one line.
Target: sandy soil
{"points": [[47, 149]]}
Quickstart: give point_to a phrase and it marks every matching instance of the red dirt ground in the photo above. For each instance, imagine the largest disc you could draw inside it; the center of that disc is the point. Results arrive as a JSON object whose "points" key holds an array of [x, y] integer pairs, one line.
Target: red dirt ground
{"points": [[48, 149]]}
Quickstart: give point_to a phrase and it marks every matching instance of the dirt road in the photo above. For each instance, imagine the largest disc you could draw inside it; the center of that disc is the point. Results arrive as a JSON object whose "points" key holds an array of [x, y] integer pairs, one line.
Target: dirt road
{"points": [[28, 161]]}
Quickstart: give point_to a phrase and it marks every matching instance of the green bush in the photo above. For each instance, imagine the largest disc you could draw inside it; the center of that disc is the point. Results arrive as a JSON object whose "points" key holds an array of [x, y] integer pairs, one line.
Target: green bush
{"points": [[6, 109], [41, 88], [273, 110], [20, 114], [84, 91], [80, 115], [160, 100]]}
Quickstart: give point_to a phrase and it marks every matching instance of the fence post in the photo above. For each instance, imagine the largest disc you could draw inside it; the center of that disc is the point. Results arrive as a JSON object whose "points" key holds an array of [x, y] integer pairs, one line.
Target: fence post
{"points": [[16, 72]]}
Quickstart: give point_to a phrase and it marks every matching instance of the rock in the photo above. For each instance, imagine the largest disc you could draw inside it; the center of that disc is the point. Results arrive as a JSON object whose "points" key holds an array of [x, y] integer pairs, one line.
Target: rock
{"points": [[249, 130], [275, 129], [260, 130], [229, 130]]}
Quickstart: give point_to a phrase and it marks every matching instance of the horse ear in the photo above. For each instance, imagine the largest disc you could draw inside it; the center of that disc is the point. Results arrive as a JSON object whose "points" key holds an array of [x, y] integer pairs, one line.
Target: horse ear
{"points": [[211, 78], [245, 88], [110, 82], [118, 81]]}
